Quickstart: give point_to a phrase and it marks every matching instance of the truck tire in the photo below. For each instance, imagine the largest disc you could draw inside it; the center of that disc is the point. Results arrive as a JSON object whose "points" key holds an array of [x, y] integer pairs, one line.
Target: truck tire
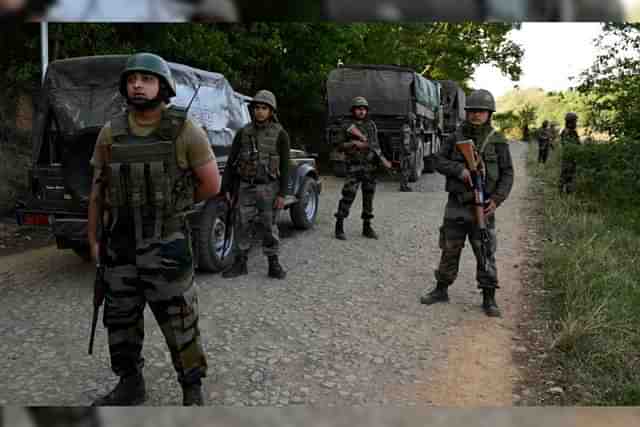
{"points": [[210, 238], [305, 210], [340, 169], [430, 164], [417, 165]]}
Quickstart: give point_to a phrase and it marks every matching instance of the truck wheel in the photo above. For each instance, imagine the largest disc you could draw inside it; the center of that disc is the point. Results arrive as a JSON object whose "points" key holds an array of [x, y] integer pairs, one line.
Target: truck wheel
{"points": [[83, 252], [304, 211], [340, 169], [430, 164], [210, 238], [417, 166]]}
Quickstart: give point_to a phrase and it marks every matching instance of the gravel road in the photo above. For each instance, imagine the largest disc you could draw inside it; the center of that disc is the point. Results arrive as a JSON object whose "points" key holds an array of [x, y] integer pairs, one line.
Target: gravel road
{"points": [[343, 329]]}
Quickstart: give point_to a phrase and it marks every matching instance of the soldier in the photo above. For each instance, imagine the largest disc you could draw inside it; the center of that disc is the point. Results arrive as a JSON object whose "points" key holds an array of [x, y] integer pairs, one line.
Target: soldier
{"points": [[459, 222], [568, 136], [544, 142], [259, 163], [149, 156], [359, 141], [405, 160]]}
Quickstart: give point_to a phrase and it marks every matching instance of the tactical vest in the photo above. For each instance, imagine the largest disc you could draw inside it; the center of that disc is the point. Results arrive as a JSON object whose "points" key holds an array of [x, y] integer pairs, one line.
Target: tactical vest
{"points": [[363, 160], [489, 156], [259, 159], [146, 183], [569, 136]]}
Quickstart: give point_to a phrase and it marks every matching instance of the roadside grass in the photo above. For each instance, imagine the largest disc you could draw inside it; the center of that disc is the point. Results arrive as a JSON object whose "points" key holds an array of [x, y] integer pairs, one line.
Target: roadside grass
{"points": [[591, 261]]}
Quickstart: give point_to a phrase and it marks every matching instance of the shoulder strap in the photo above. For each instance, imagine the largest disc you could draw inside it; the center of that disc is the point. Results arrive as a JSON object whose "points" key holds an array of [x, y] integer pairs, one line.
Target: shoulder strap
{"points": [[486, 141]]}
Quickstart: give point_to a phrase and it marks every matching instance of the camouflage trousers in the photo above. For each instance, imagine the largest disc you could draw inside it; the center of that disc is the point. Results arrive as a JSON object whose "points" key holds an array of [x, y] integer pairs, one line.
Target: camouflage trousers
{"points": [[405, 169], [568, 175], [160, 273], [543, 153], [256, 217], [453, 234], [349, 191]]}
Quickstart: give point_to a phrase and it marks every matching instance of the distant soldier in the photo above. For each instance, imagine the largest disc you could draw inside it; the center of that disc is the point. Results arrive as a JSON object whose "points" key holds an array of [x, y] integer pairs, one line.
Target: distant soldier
{"points": [[359, 141], [545, 137], [64, 416], [155, 163], [405, 159], [459, 221], [258, 167], [568, 136]]}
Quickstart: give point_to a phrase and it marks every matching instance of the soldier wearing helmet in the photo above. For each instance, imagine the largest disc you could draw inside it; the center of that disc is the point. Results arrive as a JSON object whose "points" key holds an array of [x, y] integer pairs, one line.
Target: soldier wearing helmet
{"points": [[545, 137], [259, 170], [145, 162], [459, 222], [359, 141], [568, 136]]}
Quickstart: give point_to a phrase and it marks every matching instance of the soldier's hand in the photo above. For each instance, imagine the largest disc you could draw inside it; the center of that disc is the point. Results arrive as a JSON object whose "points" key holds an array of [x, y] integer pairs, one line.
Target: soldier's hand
{"points": [[279, 203], [386, 163], [466, 177], [490, 208]]}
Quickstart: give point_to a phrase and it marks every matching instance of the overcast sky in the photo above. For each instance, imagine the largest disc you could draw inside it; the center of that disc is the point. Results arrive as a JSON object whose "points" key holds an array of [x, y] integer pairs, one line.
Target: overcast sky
{"points": [[553, 52]]}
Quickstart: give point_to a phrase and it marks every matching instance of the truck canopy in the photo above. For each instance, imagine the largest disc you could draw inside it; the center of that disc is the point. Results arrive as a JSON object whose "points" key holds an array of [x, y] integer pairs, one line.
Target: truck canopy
{"points": [[82, 93], [390, 90]]}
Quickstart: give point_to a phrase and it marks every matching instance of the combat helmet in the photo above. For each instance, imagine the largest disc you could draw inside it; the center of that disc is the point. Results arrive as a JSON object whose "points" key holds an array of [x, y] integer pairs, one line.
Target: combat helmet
{"points": [[148, 63], [545, 123], [481, 99], [359, 101], [570, 116], [265, 97]]}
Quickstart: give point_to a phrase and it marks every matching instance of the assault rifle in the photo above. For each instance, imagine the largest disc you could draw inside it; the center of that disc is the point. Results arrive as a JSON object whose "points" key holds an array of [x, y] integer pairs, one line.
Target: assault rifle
{"points": [[475, 166], [99, 285], [355, 133]]}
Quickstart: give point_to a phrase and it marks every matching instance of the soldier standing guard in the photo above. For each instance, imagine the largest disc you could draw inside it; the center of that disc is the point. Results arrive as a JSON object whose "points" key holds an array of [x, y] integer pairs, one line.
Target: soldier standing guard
{"points": [[259, 160], [568, 136], [545, 136], [147, 158], [359, 141], [459, 222]]}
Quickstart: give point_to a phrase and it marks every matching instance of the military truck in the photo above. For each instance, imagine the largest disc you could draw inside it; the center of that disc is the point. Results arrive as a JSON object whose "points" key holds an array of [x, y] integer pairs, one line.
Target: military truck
{"points": [[79, 95], [404, 105]]}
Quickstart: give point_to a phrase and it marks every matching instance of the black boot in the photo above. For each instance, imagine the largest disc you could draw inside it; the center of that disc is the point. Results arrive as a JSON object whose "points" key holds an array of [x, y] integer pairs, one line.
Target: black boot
{"points": [[404, 187], [439, 294], [489, 302], [192, 395], [367, 231], [275, 269], [238, 268], [129, 391], [340, 229]]}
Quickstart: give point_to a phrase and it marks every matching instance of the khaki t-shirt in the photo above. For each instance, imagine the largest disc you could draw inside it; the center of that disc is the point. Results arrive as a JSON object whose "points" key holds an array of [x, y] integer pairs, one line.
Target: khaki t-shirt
{"points": [[192, 145]]}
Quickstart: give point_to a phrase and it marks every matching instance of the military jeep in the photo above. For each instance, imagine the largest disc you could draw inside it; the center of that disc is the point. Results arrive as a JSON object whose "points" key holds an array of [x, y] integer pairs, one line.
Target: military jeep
{"points": [[79, 95]]}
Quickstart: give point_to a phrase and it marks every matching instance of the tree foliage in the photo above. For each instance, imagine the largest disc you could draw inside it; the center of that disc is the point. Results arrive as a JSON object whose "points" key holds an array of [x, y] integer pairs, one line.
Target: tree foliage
{"points": [[290, 58], [612, 83]]}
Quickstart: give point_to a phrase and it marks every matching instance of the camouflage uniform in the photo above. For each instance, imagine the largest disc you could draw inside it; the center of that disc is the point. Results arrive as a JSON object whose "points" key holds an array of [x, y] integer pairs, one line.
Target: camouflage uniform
{"points": [[459, 222], [361, 166], [405, 159], [568, 136], [259, 160], [149, 255], [545, 137]]}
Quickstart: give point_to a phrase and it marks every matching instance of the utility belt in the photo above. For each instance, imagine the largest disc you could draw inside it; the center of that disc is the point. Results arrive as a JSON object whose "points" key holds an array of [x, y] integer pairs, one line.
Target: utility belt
{"points": [[153, 224], [468, 198]]}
